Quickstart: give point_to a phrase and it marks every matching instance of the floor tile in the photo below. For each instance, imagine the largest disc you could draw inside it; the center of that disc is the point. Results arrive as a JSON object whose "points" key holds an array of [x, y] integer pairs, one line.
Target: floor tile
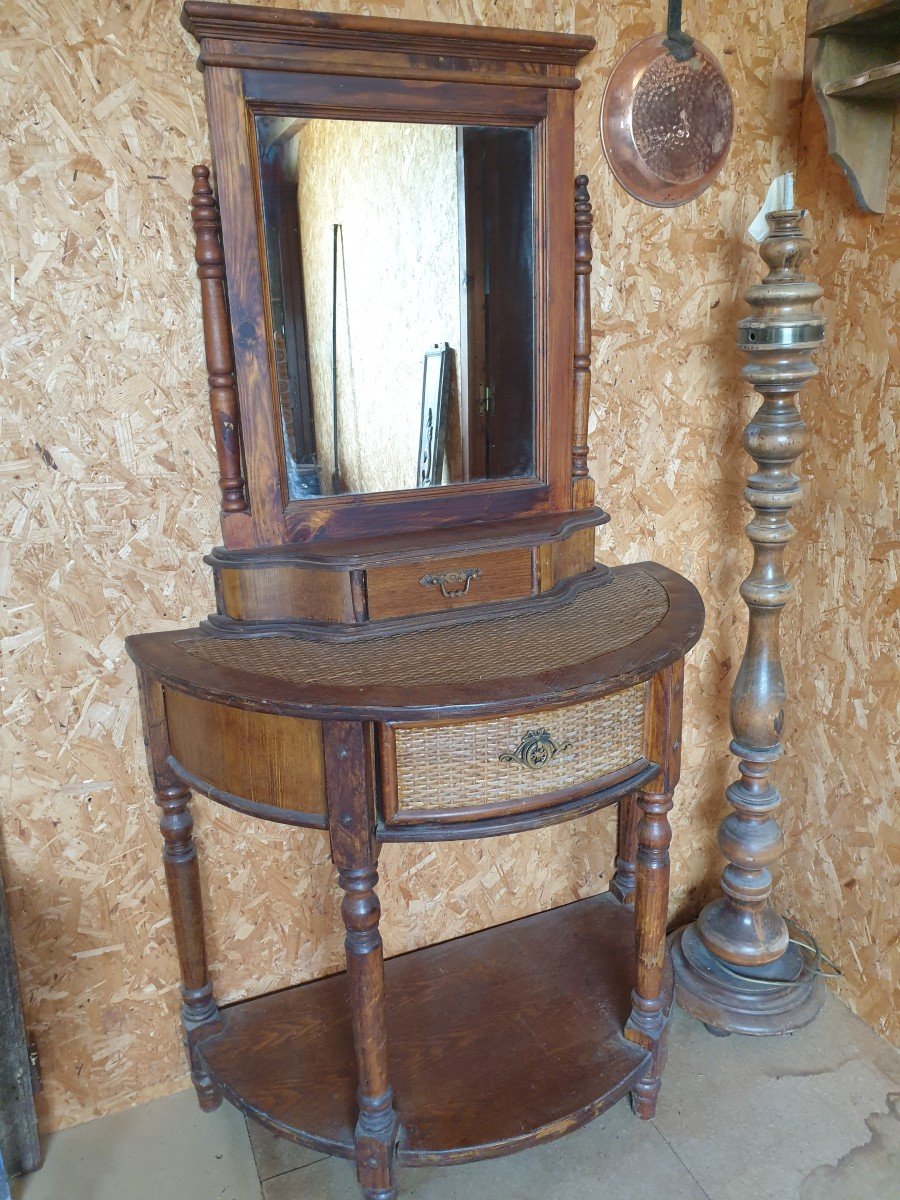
{"points": [[276, 1155], [167, 1148], [615, 1156], [775, 1118]]}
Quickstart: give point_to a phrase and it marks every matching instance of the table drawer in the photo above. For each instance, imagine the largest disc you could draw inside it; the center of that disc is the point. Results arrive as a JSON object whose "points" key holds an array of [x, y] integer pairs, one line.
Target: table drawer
{"points": [[463, 770], [437, 585]]}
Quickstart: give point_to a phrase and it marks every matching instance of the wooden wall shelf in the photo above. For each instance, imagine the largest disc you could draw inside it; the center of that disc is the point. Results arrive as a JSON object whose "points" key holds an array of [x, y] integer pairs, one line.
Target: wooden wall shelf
{"points": [[881, 83], [856, 77], [488, 1053]]}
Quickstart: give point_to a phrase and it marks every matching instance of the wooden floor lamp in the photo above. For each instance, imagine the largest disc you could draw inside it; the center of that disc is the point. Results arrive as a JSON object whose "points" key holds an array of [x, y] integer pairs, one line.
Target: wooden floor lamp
{"points": [[736, 968]]}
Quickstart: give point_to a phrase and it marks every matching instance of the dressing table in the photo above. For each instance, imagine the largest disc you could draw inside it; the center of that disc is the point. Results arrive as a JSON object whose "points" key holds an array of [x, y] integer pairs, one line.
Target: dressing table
{"points": [[412, 640]]}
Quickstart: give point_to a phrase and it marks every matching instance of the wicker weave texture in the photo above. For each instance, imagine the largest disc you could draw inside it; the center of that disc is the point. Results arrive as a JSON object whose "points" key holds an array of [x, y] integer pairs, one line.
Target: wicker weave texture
{"points": [[481, 763], [594, 621]]}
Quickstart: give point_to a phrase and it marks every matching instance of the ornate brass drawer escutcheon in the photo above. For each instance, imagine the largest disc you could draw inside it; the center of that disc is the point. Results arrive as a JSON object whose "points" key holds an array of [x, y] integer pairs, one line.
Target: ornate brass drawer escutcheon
{"points": [[447, 581], [536, 749]]}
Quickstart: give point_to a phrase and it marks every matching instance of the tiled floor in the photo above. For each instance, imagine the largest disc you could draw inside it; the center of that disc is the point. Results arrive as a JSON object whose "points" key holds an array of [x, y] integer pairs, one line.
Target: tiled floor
{"points": [[812, 1116]]}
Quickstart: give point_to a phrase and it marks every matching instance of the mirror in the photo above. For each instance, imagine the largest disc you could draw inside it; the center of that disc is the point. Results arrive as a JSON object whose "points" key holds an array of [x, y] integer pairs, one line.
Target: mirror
{"points": [[400, 263]]}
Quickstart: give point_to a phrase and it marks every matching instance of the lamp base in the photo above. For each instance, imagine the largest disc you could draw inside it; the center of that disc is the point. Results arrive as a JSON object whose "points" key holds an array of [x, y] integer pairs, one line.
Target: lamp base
{"points": [[728, 1005]]}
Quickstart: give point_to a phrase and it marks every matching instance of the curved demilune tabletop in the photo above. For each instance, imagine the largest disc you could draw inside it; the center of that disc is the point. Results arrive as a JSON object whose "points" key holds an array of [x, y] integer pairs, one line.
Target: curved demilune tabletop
{"points": [[606, 630]]}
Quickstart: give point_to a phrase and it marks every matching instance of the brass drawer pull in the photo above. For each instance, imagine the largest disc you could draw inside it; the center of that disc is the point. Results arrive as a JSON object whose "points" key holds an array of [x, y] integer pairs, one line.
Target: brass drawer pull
{"points": [[536, 749], [446, 579]]}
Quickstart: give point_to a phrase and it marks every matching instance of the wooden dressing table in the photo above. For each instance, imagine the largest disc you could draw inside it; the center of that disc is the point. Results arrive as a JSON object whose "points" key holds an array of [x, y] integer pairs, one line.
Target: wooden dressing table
{"points": [[398, 663]]}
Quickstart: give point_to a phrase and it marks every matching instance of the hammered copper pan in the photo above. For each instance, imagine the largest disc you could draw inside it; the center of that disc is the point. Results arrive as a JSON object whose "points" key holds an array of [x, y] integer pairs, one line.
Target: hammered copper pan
{"points": [[667, 117]]}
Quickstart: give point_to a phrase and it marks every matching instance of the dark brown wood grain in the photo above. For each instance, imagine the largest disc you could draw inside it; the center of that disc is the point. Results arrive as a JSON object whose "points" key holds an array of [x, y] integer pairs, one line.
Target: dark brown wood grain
{"points": [[648, 1024], [316, 584], [223, 397], [555, 278], [488, 1054], [558, 561], [159, 654], [228, 131], [265, 759], [384, 549], [375, 65], [265, 812], [282, 593], [313, 65], [582, 360], [363, 629], [354, 850], [623, 881], [286, 703], [399, 590], [285, 28], [198, 1009]]}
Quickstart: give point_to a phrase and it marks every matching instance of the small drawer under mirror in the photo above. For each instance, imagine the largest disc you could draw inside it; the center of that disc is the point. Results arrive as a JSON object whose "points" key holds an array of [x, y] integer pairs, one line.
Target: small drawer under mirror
{"points": [[438, 584], [354, 586]]}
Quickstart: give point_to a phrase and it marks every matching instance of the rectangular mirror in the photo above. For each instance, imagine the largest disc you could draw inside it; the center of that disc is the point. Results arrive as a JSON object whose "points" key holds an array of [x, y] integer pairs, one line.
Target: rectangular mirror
{"points": [[400, 262]]}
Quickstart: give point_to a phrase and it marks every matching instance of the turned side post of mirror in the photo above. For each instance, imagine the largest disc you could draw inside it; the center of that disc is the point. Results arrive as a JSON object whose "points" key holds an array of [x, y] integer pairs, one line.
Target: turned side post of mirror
{"points": [[582, 484], [223, 397]]}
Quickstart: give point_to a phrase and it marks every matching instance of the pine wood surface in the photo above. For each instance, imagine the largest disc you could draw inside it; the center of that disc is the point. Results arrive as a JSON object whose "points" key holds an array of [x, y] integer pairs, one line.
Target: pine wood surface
{"points": [[487, 1053]]}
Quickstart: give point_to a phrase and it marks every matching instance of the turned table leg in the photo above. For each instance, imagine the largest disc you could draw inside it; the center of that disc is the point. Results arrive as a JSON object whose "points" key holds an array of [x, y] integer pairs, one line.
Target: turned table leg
{"points": [[354, 851], [198, 1009], [622, 884], [651, 1000]]}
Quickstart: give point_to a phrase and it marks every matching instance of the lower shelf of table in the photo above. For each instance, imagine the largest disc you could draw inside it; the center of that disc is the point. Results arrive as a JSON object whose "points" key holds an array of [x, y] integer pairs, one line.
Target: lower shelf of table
{"points": [[496, 1041]]}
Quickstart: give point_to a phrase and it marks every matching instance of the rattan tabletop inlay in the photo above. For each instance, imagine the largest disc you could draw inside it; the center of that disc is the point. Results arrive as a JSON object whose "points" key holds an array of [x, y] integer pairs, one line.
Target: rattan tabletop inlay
{"points": [[592, 622]]}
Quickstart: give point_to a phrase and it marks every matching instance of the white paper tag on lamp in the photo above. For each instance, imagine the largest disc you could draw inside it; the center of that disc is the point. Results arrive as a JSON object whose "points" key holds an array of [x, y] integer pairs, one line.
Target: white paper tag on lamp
{"points": [[779, 198]]}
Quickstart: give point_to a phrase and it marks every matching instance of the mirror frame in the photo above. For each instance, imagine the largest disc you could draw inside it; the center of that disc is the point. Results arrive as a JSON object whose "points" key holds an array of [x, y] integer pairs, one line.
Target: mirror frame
{"points": [[288, 63]]}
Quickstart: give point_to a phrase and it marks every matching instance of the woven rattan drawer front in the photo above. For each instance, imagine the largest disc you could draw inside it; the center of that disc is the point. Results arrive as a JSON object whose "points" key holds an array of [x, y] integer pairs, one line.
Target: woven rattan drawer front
{"points": [[461, 770]]}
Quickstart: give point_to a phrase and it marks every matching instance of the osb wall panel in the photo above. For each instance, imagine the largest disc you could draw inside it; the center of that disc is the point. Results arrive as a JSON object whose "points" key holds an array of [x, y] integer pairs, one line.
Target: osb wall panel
{"points": [[110, 502], [841, 779]]}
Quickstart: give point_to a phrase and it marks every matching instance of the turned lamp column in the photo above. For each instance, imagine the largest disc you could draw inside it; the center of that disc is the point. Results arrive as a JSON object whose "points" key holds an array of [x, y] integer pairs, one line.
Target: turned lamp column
{"points": [[736, 968]]}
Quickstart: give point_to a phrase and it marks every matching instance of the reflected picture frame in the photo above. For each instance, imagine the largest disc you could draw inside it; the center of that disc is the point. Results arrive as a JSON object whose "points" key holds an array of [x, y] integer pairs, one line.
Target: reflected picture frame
{"points": [[435, 405]]}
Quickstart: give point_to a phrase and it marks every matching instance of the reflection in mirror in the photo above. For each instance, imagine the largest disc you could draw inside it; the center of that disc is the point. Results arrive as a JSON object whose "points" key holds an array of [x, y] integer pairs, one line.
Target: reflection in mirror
{"points": [[400, 261]]}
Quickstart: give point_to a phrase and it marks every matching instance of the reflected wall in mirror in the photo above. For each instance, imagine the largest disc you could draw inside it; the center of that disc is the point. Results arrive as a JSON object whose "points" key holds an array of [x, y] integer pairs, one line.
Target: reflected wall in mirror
{"points": [[400, 261]]}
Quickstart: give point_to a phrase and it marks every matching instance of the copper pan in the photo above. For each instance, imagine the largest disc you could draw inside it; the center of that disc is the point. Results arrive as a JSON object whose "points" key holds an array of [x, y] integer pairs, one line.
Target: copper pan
{"points": [[667, 117]]}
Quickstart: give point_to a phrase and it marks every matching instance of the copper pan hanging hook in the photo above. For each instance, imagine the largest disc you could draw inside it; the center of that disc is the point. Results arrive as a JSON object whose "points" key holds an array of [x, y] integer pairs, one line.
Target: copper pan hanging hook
{"points": [[677, 42]]}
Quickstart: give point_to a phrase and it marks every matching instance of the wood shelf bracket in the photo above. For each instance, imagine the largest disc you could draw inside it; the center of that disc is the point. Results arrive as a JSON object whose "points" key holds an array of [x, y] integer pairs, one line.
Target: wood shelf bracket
{"points": [[856, 79]]}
